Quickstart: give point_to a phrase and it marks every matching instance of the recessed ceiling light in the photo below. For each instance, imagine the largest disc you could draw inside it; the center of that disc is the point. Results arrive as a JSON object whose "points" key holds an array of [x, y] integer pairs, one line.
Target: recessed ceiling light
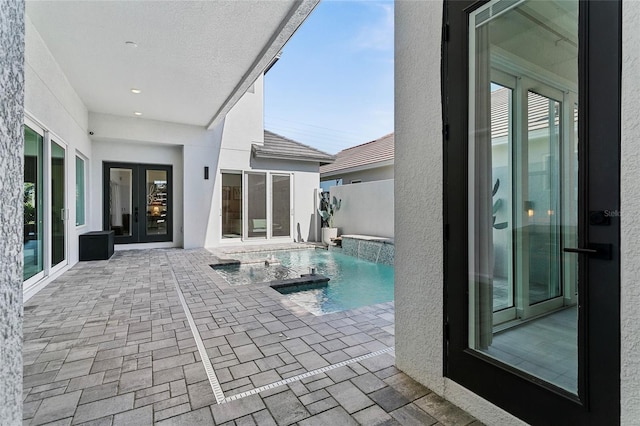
{"points": [[136, 91], [131, 43], [137, 113]]}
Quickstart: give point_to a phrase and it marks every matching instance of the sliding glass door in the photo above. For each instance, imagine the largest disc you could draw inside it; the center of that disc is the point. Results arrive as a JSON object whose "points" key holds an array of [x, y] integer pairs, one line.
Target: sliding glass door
{"points": [[280, 205], [58, 206], [265, 197], [256, 225], [45, 204], [231, 205], [33, 203]]}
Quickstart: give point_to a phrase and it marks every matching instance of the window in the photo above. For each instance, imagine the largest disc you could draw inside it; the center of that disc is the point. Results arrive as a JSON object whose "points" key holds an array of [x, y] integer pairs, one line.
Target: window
{"points": [[80, 191]]}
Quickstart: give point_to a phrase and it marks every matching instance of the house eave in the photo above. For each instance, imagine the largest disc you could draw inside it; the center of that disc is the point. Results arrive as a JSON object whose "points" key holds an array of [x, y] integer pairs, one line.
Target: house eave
{"points": [[296, 16], [277, 156], [370, 166]]}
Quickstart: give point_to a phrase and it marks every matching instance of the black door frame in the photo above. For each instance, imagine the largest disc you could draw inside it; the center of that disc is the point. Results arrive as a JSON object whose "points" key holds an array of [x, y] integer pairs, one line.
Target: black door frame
{"points": [[138, 196], [525, 396]]}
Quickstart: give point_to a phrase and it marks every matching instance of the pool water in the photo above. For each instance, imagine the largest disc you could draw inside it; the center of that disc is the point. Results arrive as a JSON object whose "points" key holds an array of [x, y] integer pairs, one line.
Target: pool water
{"points": [[354, 282]]}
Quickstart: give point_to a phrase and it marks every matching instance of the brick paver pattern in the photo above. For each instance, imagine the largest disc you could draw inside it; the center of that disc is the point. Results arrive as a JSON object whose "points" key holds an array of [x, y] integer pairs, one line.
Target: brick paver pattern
{"points": [[108, 343]]}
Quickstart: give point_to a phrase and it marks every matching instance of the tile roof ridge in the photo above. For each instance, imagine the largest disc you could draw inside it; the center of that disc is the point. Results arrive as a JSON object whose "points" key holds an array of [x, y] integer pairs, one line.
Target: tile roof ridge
{"points": [[296, 142], [370, 142]]}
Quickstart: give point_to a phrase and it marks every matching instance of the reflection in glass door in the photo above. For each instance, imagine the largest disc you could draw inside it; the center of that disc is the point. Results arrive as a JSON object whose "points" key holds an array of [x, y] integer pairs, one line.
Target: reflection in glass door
{"points": [[523, 201], [33, 203], [256, 205], [58, 208], [280, 205], [231, 205], [120, 201], [137, 202], [156, 183], [542, 227]]}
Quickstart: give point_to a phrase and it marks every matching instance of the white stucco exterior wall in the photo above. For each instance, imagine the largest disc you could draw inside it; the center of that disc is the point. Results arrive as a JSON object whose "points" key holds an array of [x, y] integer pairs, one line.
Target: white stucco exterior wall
{"points": [[52, 104], [365, 175], [134, 140], [118, 151], [419, 209], [366, 209], [630, 219]]}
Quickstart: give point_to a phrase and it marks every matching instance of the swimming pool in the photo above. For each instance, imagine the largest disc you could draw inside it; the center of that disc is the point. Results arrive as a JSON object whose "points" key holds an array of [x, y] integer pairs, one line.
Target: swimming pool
{"points": [[354, 282]]}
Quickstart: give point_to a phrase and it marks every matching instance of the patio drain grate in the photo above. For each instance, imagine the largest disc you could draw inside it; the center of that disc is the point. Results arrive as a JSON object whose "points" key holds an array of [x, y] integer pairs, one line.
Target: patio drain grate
{"points": [[307, 374], [211, 375]]}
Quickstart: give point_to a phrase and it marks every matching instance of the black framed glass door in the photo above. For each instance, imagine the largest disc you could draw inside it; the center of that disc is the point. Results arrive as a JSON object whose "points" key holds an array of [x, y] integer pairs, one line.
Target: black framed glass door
{"points": [[532, 105], [137, 202]]}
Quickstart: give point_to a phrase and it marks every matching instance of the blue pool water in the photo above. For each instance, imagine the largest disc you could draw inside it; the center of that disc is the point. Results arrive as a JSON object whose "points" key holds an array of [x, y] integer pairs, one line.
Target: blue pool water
{"points": [[354, 283]]}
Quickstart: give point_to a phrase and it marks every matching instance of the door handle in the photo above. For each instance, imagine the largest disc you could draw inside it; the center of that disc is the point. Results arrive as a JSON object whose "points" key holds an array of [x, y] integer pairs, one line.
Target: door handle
{"points": [[135, 215], [596, 251]]}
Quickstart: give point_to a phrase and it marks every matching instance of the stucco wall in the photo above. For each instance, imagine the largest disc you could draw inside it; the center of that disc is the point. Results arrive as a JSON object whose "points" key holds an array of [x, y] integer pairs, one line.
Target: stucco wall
{"points": [[54, 105], [366, 208], [378, 173], [133, 140], [418, 208], [115, 151], [630, 219], [11, 177]]}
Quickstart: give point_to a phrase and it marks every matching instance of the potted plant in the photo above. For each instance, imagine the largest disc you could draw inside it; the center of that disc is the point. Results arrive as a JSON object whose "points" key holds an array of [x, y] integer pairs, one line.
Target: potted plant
{"points": [[326, 211]]}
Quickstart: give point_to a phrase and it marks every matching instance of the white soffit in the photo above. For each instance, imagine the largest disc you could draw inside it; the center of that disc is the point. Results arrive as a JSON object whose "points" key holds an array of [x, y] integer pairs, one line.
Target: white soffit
{"points": [[192, 62]]}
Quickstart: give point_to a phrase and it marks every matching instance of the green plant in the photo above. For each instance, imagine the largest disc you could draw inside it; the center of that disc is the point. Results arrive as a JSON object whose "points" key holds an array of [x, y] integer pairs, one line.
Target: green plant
{"points": [[29, 209], [328, 208], [497, 204]]}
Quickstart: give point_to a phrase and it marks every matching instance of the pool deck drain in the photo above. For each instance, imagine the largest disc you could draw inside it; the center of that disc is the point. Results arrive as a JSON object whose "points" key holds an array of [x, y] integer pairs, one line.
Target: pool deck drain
{"points": [[307, 374], [211, 375]]}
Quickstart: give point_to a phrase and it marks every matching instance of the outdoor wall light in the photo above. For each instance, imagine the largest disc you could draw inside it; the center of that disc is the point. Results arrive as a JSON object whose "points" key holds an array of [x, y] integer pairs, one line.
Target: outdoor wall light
{"points": [[206, 172], [528, 206]]}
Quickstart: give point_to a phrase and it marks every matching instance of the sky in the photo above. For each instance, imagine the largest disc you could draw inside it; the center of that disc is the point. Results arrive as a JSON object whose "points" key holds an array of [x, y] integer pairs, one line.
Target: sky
{"points": [[333, 86]]}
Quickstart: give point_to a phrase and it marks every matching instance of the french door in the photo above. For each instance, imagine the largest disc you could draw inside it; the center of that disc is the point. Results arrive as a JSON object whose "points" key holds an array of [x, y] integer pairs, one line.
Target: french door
{"points": [[532, 111], [137, 202]]}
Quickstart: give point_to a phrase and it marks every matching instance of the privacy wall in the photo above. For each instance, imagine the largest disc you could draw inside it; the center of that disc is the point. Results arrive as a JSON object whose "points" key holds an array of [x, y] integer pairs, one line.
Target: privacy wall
{"points": [[366, 208]]}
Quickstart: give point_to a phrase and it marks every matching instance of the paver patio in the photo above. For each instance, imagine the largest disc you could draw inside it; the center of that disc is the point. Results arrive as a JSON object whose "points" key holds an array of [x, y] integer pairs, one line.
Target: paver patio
{"points": [[110, 343]]}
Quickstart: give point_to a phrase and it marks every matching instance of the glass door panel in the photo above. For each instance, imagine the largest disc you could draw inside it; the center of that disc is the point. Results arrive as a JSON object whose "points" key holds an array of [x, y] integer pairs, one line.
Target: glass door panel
{"points": [[137, 202], [231, 205], [501, 143], [543, 203], [281, 206], [120, 201], [519, 148], [58, 208], [33, 203], [256, 205], [157, 208]]}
